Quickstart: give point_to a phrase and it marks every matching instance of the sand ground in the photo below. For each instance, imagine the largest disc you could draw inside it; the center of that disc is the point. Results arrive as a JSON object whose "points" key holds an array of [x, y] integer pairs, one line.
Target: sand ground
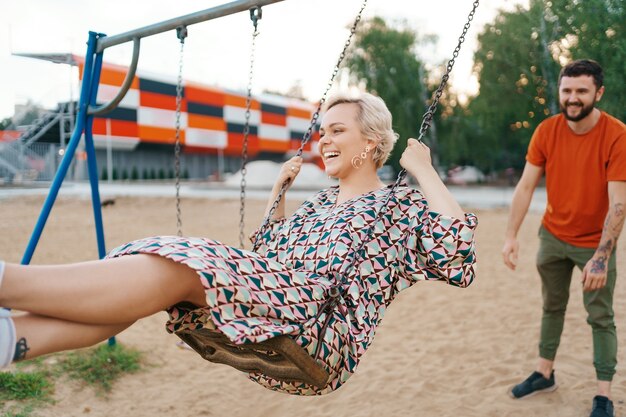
{"points": [[440, 351]]}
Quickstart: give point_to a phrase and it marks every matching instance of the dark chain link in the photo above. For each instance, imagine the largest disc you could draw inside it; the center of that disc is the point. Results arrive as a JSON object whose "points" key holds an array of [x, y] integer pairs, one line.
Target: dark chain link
{"points": [[402, 174], [428, 116], [181, 33], [309, 133], [341, 287], [255, 15]]}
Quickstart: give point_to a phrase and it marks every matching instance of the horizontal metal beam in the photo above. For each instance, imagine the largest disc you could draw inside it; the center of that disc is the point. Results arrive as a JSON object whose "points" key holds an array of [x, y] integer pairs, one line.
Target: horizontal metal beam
{"points": [[186, 20]]}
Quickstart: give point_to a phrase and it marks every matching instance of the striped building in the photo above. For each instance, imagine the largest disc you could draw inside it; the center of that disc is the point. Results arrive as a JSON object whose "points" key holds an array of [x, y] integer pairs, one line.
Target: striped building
{"points": [[139, 135]]}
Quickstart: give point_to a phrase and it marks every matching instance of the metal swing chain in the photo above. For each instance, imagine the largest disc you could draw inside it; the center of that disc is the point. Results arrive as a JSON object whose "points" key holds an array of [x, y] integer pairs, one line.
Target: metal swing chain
{"points": [[255, 15], [309, 133], [336, 292], [428, 116], [181, 33], [425, 124]]}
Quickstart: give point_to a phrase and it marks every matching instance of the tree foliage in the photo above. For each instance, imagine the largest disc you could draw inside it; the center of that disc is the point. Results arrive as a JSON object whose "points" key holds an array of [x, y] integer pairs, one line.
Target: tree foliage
{"points": [[517, 77], [595, 29], [383, 59], [518, 61], [5, 123]]}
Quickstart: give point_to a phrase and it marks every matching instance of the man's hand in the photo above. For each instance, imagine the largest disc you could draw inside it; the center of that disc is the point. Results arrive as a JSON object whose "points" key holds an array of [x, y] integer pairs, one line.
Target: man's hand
{"points": [[509, 252], [594, 273]]}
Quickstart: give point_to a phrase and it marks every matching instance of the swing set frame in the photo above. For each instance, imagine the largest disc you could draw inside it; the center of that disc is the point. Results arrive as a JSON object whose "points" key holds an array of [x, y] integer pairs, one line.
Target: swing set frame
{"points": [[281, 357], [96, 44], [87, 109]]}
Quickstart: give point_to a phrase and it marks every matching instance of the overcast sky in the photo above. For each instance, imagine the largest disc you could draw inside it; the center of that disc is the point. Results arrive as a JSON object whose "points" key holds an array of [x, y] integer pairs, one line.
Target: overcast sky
{"points": [[299, 42]]}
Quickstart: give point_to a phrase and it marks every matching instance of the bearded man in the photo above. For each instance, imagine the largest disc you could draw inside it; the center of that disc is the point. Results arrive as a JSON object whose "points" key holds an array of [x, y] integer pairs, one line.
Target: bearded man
{"points": [[582, 152]]}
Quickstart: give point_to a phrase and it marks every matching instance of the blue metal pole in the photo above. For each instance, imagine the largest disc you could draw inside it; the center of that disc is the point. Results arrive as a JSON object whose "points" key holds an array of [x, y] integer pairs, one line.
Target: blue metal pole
{"points": [[69, 151], [92, 164]]}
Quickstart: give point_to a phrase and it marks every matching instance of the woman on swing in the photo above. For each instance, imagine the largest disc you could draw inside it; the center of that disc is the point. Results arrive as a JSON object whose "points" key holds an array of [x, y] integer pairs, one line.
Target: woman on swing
{"points": [[251, 297]]}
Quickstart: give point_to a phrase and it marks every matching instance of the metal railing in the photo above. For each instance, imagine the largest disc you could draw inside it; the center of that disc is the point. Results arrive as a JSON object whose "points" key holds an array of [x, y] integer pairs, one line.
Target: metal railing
{"points": [[24, 159]]}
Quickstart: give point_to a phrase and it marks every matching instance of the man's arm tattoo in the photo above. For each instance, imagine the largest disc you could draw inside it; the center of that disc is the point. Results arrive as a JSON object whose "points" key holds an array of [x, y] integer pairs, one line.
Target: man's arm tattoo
{"points": [[598, 265]]}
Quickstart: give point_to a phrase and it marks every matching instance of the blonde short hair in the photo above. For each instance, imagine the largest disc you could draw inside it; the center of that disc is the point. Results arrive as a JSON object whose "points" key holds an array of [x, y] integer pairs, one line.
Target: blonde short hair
{"points": [[375, 119]]}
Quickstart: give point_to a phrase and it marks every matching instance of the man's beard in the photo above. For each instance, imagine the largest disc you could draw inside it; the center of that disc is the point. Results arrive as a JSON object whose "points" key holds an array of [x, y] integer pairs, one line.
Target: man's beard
{"points": [[584, 111]]}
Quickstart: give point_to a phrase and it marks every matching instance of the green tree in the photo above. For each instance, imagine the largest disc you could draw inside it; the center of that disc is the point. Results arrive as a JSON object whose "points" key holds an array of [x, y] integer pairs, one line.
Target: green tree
{"points": [[30, 115], [5, 123], [134, 175], [518, 61], [595, 29], [517, 76], [383, 58]]}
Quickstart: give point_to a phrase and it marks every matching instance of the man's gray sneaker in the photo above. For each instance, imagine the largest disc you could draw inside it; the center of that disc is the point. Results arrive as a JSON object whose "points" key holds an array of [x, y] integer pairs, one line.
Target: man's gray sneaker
{"points": [[534, 384], [602, 407]]}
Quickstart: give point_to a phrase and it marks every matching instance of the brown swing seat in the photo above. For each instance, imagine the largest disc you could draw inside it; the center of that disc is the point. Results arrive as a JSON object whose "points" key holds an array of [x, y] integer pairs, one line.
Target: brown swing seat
{"points": [[280, 358]]}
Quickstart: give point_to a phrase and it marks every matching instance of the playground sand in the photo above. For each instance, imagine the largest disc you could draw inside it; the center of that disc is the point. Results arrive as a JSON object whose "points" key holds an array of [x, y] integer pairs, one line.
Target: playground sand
{"points": [[440, 351]]}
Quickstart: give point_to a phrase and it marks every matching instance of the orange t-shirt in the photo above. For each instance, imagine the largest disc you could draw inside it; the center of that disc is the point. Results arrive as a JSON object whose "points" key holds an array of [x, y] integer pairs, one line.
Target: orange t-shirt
{"points": [[578, 168]]}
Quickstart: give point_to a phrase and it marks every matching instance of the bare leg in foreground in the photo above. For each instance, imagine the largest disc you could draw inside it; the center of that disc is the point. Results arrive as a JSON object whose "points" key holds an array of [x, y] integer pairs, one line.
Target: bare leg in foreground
{"points": [[78, 305]]}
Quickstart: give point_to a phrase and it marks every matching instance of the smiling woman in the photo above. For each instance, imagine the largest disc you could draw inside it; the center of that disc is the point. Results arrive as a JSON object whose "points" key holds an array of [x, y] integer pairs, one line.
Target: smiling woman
{"points": [[323, 276], [352, 129]]}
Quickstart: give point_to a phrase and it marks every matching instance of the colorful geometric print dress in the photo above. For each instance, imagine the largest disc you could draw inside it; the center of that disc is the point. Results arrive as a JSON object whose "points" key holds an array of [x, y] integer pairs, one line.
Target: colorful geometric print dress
{"points": [[252, 297]]}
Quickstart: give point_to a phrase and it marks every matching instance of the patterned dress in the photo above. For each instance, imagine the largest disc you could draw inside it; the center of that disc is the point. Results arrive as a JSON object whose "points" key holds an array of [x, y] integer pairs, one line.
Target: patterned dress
{"points": [[280, 289]]}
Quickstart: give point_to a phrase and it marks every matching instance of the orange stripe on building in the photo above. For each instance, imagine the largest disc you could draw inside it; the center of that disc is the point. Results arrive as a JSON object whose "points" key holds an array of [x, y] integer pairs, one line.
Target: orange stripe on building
{"points": [[205, 122], [9, 135], [296, 112], [116, 127], [267, 145], [109, 76], [116, 78], [124, 128], [200, 150], [240, 101], [159, 135], [204, 96], [273, 119], [235, 144], [99, 126], [159, 101], [295, 144]]}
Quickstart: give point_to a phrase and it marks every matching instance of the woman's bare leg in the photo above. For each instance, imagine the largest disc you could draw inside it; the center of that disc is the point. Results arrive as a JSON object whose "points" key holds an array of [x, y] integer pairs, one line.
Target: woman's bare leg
{"points": [[112, 291], [44, 335]]}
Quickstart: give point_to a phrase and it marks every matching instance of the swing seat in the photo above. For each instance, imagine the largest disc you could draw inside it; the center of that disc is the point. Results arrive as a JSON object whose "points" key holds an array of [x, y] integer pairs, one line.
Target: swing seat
{"points": [[280, 358]]}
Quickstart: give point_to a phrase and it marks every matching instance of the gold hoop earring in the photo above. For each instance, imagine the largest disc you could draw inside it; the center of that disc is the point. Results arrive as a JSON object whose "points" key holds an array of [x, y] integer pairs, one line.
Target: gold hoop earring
{"points": [[357, 160]]}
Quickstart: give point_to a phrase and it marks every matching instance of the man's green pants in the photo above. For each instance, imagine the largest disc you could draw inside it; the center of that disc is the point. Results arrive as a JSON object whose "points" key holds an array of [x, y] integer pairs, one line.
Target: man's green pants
{"points": [[555, 263]]}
